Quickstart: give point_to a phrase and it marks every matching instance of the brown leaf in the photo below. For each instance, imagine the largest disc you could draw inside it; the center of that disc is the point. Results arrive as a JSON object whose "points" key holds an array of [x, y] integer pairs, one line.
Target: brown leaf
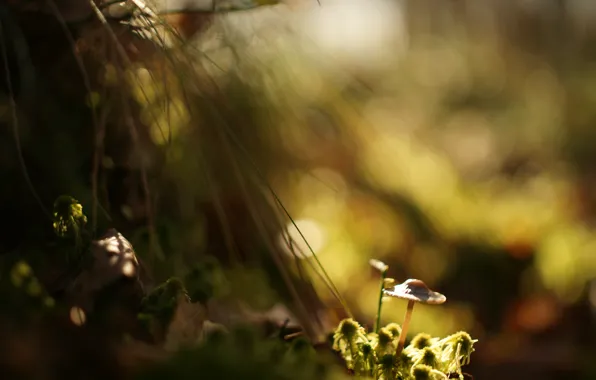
{"points": [[186, 328]]}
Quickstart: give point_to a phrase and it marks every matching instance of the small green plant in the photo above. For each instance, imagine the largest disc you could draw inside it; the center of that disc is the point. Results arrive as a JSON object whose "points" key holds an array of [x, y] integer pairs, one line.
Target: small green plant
{"points": [[375, 355], [69, 223], [381, 354], [69, 219], [159, 306]]}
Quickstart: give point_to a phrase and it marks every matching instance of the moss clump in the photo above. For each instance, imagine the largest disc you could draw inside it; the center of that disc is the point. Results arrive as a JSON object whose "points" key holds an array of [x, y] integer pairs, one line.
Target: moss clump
{"points": [[426, 357], [421, 341], [205, 280], [422, 372], [159, 306], [395, 329], [232, 358]]}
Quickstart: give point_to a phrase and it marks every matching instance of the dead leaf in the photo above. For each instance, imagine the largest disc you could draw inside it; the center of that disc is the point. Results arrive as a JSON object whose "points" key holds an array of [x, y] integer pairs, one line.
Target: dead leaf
{"points": [[186, 328]]}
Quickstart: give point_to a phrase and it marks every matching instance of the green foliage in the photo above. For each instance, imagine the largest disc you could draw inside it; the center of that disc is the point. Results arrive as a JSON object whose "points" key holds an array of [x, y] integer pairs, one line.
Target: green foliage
{"points": [[69, 224], [204, 280], [373, 355], [68, 217], [243, 354], [160, 304]]}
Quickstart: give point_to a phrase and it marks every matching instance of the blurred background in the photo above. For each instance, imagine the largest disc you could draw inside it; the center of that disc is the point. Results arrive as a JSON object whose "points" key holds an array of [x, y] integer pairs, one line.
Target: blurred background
{"points": [[455, 141]]}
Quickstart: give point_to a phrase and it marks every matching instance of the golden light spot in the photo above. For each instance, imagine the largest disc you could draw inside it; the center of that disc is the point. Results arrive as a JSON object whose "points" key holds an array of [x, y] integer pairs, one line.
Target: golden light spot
{"points": [[23, 269], [19, 272], [128, 269], [354, 32], [77, 316], [113, 247], [304, 229]]}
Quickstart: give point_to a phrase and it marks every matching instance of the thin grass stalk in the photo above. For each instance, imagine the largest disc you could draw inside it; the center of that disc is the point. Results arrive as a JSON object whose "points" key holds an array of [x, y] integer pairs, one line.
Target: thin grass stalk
{"points": [[380, 301]]}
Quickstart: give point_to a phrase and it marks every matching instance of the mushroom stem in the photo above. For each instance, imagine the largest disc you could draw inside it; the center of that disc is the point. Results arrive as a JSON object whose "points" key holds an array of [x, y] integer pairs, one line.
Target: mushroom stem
{"points": [[404, 329]]}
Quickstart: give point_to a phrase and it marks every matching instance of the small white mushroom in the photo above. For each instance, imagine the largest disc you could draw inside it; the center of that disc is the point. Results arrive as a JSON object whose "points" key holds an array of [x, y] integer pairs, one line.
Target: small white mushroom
{"points": [[414, 291]]}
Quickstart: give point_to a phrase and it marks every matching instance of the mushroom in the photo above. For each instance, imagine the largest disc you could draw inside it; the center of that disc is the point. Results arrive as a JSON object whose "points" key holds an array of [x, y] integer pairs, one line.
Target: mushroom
{"points": [[383, 268], [414, 291]]}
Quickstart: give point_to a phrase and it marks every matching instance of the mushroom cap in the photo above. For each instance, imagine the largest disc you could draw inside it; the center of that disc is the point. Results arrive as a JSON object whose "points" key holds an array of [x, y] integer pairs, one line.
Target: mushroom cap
{"points": [[416, 290], [378, 265]]}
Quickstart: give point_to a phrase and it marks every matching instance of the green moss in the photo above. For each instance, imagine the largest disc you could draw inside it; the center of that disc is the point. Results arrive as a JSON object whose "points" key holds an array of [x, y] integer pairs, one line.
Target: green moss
{"points": [[426, 357], [160, 304], [348, 330], [422, 372], [232, 357], [421, 341], [205, 280], [395, 329]]}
